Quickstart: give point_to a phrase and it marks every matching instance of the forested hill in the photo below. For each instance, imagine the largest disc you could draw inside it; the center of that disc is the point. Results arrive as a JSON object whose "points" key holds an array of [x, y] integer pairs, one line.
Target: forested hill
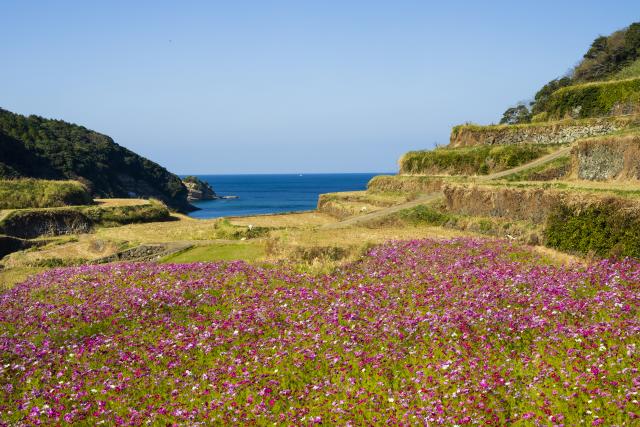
{"points": [[611, 58], [43, 148]]}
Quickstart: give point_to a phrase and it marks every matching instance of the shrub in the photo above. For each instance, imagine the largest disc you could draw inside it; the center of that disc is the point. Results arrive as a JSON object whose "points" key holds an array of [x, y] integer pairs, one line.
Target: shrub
{"points": [[607, 228], [423, 215], [516, 115], [595, 99]]}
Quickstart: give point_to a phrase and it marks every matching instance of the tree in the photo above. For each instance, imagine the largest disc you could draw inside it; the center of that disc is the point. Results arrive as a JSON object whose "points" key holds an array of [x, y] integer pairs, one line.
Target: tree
{"points": [[541, 98], [514, 115], [598, 46]]}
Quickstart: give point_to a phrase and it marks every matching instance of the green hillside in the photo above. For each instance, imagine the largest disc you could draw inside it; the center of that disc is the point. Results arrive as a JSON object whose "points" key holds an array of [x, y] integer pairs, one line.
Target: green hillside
{"points": [[613, 57], [42, 148]]}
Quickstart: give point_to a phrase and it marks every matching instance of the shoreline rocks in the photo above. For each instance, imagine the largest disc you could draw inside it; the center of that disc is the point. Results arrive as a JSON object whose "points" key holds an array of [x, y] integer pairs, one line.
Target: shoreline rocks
{"points": [[198, 189]]}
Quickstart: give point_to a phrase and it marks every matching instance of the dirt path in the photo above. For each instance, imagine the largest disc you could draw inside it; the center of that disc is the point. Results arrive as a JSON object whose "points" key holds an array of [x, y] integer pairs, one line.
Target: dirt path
{"points": [[537, 162], [433, 196], [382, 212]]}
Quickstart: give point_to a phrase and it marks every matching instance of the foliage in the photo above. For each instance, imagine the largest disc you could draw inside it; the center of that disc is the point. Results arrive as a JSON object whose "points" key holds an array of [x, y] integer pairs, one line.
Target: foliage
{"points": [[515, 115], [53, 149], [481, 159], [605, 229], [630, 72], [456, 332], [38, 193], [595, 99], [223, 229], [612, 56], [423, 214], [542, 97], [608, 55], [540, 117]]}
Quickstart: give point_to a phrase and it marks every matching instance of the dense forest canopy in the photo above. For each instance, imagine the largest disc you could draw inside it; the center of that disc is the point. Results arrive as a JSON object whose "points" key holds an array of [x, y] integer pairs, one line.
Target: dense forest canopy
{"points": [[43, 148]]}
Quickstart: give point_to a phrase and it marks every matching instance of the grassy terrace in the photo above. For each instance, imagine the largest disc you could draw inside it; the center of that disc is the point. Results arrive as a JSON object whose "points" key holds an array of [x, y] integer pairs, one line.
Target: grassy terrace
{"points": [[596, 99], [622, 189], [477, 160], [39, 193], [30, 223], [620, 122], [554, 169]]}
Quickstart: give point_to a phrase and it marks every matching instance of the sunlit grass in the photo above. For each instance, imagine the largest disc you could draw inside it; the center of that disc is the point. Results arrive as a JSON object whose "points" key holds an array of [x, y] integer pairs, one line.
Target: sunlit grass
{"points": [[217, 252]]}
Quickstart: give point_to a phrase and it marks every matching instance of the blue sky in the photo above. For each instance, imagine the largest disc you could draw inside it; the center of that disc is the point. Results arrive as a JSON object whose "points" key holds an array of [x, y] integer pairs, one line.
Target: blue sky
{"points": [[287, 86]]}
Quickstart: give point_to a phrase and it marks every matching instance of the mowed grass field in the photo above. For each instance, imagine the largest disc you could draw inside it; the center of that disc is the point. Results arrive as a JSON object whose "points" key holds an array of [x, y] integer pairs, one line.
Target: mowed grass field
{"points": [[217, 252]]}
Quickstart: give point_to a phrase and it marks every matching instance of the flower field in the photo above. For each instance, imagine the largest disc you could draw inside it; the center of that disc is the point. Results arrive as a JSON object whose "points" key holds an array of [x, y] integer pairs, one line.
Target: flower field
{"points": [[460, 332]]}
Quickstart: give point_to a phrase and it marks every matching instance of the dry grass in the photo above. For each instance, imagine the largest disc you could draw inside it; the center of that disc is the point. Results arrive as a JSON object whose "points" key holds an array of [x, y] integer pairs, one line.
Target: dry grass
{"points": [[84, 246], [297, 220], [182, 228], [354, 237], [13, 276], [120, 202], [557, 257], [376, 198], [628, 188]]}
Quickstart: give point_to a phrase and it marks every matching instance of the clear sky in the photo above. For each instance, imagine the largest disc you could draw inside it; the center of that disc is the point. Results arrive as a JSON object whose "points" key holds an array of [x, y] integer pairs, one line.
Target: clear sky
{"points": [[287, 86]]}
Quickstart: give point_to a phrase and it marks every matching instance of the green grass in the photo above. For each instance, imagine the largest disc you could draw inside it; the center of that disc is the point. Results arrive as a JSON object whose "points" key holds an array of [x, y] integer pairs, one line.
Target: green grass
{"points": [[11, 276], [476, 160], [594, 99], [423, 214], [40, 193], [218, 252]]}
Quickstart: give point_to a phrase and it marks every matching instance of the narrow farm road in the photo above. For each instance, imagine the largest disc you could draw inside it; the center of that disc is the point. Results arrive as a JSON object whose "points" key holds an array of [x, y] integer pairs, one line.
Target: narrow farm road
{"points": [[537, 162], [425, 198], [382, 212]]}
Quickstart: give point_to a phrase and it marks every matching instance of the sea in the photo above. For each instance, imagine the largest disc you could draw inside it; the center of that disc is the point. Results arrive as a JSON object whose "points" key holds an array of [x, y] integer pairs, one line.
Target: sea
{"points": [[268, 194]]}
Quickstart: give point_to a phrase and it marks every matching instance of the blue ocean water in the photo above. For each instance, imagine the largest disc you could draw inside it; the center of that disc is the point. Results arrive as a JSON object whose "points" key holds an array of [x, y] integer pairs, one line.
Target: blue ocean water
{"points": [[264, 194]]}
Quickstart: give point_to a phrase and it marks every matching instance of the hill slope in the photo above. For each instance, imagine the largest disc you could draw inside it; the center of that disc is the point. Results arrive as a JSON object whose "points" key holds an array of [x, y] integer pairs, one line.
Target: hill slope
{"points": [[53, 149], [613, 57]]}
